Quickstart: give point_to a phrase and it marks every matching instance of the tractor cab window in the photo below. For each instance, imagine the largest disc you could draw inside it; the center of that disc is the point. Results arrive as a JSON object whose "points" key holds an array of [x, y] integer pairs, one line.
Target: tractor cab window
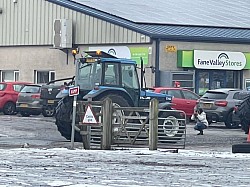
{"points": [[111, 74], [129, 76], [88, 75]]}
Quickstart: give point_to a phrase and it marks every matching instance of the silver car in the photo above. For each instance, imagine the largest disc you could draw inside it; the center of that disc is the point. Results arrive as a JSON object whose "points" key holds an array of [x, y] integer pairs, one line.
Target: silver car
{"points": [[219, 104], [29, 102]]}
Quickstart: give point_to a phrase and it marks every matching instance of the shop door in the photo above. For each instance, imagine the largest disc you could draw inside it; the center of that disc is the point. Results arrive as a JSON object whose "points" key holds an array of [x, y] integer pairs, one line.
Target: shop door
{"points": [[217, 79], [202, 82]]}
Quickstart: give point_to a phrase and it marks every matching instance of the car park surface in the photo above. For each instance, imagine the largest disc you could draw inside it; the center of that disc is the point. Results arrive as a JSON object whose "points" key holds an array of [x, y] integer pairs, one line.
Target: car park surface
{"points": [[183, 99], [33, 153], [219, 105], [29, 102], [8, 96]]}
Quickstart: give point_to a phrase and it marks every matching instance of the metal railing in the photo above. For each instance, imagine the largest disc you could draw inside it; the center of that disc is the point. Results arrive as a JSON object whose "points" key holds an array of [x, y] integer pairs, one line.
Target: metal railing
{"points": [[132, 126]]}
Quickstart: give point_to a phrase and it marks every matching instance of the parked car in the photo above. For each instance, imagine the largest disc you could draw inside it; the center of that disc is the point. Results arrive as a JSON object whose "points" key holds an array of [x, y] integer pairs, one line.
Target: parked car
{"points": [[219, 105], [183, 99], [8, 96], [29, 102]]}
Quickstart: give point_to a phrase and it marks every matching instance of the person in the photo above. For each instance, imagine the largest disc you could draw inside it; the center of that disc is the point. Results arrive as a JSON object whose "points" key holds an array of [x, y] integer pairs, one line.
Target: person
{"points": [[201, 120]]}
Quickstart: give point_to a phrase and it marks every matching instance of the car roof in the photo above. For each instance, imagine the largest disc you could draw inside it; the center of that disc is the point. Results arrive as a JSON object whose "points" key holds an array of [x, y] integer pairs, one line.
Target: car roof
{"points": [[170, 88], [224, 90], [15, 82], [34, 85]]}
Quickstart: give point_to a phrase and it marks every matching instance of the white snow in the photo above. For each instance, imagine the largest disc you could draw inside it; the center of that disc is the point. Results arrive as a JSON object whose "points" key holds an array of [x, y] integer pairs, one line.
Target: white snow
{"points": [[131, 167]]}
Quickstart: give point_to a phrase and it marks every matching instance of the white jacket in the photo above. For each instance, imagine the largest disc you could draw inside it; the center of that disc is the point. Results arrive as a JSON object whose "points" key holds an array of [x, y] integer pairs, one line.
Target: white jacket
{"points": [[200, 118]]}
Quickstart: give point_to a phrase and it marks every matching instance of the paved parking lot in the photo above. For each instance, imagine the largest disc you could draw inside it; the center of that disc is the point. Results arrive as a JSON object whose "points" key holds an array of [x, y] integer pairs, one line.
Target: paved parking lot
{"points": [[206, 161], [39, 131]]}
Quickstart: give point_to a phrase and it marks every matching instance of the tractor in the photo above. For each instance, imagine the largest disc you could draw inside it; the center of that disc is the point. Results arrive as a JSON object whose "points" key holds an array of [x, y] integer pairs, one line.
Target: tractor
{"points": [[100, 76]]}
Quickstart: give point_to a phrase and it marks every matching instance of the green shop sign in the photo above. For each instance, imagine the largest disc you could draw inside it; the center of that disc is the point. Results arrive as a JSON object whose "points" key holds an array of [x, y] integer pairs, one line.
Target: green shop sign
{"points": [[201, 59], [139, 52]]}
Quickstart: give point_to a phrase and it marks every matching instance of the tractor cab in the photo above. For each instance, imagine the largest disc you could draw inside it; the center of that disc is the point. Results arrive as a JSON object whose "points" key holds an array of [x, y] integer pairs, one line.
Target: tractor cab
{"points": [[100, 74]]}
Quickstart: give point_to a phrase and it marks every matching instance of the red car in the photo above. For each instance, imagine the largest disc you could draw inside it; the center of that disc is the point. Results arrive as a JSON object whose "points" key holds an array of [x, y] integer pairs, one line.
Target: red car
{"points": [[8, 96], [183, 99]]}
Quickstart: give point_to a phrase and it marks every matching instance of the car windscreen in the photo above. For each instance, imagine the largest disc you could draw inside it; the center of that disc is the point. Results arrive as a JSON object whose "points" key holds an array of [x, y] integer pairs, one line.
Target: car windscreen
{"points": [[2, 87], [215, 95], [30, 89]]}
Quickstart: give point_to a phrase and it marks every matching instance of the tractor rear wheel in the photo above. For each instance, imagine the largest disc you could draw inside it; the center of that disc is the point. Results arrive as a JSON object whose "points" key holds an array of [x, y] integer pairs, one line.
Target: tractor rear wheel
{"points": [[117, 101], [64, 119], [244, 114]]}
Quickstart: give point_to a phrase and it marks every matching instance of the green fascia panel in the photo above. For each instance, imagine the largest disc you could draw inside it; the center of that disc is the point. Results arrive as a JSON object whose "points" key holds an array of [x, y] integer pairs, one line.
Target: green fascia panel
{"points": [[185, 59], [247, 55]]}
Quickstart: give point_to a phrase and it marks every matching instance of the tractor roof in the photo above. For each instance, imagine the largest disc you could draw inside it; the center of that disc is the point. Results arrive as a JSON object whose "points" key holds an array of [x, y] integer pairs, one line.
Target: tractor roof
{"points": [[106, 57]]}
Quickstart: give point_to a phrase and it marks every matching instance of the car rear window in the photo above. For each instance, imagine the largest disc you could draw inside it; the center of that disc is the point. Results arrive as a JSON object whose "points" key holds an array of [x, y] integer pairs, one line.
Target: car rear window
{"points": [[215, 95], [17, 87], [2, 87], [30, 89]]}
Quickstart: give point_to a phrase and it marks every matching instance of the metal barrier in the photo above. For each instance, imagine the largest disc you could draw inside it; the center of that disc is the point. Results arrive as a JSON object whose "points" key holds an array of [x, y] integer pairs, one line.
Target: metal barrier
{"points": [[133, 126]]}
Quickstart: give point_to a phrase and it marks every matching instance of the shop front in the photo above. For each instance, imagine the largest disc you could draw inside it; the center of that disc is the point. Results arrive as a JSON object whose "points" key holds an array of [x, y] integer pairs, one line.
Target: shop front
{"points": [[212, 79], [215, 69]]}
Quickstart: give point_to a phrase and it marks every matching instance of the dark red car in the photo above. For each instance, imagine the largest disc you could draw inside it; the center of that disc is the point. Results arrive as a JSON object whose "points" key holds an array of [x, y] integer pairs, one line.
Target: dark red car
{"points": [[183, 99], [8, 96]]}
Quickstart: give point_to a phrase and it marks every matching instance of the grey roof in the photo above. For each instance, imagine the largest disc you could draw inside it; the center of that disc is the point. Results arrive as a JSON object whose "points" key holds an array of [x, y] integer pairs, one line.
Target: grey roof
{"points": [[172, 30], [225, 13]]}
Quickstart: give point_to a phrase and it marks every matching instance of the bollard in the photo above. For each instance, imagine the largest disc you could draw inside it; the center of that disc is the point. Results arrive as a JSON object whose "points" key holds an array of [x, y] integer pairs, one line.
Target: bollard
{"points": [[153, 124], [107, 112]]}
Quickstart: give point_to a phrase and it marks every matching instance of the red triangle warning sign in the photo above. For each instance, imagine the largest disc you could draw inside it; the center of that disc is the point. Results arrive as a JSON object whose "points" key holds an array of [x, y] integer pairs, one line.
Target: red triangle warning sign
{"points": [[89, 117]]}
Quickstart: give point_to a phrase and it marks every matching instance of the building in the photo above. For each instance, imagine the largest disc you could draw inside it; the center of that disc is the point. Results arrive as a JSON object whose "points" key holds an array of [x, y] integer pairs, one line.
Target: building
{"points": [[201, 44]]}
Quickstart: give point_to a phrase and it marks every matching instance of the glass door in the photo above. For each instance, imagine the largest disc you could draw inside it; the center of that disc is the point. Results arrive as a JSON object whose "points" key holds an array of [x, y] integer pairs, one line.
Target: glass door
{"points": [[217, 79], [203, 82]]}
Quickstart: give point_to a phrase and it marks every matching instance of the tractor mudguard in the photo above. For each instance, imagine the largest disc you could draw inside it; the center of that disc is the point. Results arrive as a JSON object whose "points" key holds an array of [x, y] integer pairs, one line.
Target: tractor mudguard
{"points": [[104, 90]]}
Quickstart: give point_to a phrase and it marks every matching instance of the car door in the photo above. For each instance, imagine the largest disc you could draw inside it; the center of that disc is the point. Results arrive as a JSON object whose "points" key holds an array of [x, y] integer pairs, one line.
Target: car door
{"points": [[177, 99], [190, 101]]}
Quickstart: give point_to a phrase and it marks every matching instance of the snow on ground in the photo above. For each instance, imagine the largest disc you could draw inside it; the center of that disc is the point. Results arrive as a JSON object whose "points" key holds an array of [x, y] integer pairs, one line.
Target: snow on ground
{"points": [[128, 167]]}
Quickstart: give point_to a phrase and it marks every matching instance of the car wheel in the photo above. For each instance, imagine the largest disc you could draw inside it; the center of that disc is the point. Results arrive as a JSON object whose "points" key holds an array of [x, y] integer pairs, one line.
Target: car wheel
{"points": [[9, 108], [25, 114], [48, 111], [229, 123]]}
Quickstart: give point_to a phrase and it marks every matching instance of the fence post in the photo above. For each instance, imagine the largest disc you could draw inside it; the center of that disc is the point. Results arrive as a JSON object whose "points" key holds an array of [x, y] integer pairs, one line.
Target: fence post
{"points": [[153, 124], [107, 112]]}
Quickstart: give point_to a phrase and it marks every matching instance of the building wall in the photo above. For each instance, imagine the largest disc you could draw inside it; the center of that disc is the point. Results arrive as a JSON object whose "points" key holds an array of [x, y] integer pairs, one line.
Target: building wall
{"points": [[30, 22], [28, 59]]}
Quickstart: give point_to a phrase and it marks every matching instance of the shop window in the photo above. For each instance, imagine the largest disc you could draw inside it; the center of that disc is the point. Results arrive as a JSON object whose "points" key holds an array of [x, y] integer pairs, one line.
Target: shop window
{"points": [[185, 79], [9, 75], [44, 76]]}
